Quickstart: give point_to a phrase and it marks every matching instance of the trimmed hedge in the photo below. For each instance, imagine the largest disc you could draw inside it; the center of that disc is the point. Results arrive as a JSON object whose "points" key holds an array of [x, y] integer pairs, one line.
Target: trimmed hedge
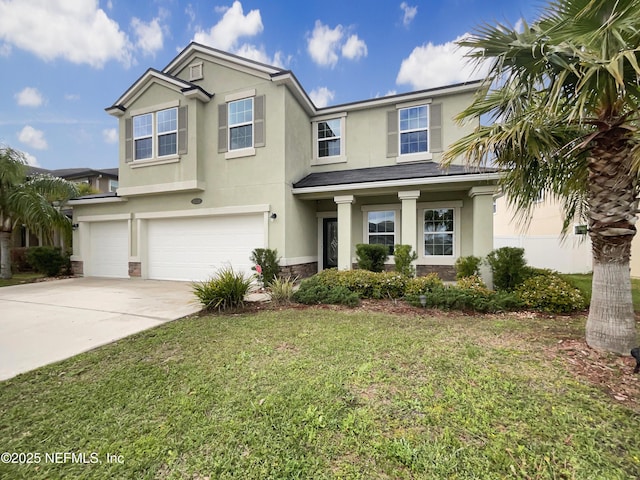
{"points": [[468, 266], [371, 256], [366, 284], [420, 285], [314, 291], [455, 298], [49, 261]]}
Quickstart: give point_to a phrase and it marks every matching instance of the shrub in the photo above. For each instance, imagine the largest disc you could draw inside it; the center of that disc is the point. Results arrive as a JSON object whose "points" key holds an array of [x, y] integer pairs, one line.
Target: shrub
{"points": [[314, 291], [19, 260], [366, 284], [281, 290], [550, 293], [403, 256], [47, 260], [455, 298], [421, 285], [468, 266], [508, 266], [226, 289], [269, 264], [371, 257], [472, 282]]}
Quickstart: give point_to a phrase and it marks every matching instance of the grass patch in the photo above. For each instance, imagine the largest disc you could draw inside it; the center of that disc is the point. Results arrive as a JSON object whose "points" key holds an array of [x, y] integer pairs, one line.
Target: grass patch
{"points": [[323, 393], [582, 281], [20, 278]]}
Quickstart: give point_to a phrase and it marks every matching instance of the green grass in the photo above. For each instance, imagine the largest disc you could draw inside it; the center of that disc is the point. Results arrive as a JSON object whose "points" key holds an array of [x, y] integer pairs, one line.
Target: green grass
{"points": [[321, 393], [20, 278], [582, 281]]}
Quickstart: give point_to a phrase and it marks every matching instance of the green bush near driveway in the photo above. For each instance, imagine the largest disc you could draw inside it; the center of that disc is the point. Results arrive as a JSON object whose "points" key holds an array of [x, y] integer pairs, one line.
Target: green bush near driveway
{"points": [[226, 289]]}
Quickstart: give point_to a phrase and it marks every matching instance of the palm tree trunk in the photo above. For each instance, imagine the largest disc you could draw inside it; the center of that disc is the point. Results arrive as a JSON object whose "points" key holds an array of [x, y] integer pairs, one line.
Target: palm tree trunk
{"points": [[5, 255], [612, 217]]}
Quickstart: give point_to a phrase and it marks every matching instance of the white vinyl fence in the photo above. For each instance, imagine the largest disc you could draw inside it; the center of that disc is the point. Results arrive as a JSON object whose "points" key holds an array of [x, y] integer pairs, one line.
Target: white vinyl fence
{"points": [[548, 251]]}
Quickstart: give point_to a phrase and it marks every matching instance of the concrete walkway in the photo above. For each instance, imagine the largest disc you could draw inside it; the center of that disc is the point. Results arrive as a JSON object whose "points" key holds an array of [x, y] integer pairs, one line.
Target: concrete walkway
{"points": [[42, 323]]}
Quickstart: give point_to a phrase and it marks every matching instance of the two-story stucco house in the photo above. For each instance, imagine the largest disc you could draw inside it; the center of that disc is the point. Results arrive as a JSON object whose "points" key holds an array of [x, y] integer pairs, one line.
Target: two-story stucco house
{"points": [[220, 155]]}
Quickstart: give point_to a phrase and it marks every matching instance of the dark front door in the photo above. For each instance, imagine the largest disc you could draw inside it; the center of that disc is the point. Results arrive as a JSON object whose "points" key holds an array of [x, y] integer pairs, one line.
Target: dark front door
{"points": [[329, 242]]}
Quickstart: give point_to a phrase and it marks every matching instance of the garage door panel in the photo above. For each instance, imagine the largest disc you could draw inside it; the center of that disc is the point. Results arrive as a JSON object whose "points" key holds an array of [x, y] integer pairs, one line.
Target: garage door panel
{"points": [[109, 249], [195, 248]]}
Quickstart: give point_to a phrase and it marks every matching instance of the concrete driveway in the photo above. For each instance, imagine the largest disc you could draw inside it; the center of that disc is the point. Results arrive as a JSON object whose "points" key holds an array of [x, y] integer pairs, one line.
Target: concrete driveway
{"points": [[42, 323]]}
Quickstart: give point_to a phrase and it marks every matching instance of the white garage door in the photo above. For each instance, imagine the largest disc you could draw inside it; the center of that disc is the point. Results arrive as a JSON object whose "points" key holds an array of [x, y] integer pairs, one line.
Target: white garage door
{"points": [[195, 248], [109, 249]]}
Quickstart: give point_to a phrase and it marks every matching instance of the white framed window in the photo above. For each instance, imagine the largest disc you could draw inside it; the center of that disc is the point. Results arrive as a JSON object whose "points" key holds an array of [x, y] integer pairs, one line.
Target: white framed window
{"points": [[167, 132], [439, 232], [414, 130], [241, 124], [143, 136], [329, 138], [113, 185], [382, 226], [155, 133]]}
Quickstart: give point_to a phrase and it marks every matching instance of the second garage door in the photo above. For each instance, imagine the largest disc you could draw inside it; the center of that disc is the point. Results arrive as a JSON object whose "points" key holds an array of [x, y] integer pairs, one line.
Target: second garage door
{"points": [[195, 248]]}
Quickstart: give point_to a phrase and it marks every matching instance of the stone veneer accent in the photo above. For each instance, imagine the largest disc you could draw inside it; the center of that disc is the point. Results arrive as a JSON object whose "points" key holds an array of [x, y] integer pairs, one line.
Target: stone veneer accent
{"points": [[445, 272], [135, 270], [77, 267], [302, 270]]}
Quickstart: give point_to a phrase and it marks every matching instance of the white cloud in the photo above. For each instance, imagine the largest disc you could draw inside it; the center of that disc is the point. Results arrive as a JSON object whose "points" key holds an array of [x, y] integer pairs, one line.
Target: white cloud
{"points": [[354, 48], [78, 31], [71, 96], [149, 35], [110, 135], [32, 137], [409, 13], [5, 50], [233, 25], [321, 96], [191, 13], [31, 160], [260, 55], [324, 43], [438, 65], [29, 97], [110, 5]]}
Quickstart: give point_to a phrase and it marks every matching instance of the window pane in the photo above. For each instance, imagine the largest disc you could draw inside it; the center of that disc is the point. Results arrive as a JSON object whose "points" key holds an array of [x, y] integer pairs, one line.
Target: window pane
{"points": [[438, 232], [413, 118], [241, 137], [168, 120], [142, 125], [413, 142], [241, 111], [388, 240], [167, 144], [381, 222], [329, 148], [144, 148], [329, 129]]}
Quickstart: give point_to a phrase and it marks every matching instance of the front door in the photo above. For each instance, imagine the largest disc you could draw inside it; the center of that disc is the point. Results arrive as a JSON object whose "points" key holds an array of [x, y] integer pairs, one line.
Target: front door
{"points": [[329, 243]]}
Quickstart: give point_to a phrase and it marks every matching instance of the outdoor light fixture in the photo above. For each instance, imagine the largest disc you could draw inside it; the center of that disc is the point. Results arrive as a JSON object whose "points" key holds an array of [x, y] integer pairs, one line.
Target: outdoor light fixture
{"points": [[423, 300], [273, 216], [74, 226]]}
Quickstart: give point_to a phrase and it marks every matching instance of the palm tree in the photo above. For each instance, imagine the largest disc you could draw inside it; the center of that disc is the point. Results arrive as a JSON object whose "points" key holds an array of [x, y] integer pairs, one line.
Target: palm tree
{"points": [[34, 202], [563, 96]]}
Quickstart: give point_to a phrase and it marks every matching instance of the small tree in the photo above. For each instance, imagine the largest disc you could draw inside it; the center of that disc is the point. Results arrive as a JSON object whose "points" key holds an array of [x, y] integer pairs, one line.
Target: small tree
{"points": [[371, 256], [34, 202], [404, 256], [508, 266], [269, 264]]}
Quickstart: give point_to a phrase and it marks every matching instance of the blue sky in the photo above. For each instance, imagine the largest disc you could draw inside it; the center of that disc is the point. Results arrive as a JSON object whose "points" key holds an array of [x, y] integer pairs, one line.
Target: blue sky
{"points": [[64, 61]]}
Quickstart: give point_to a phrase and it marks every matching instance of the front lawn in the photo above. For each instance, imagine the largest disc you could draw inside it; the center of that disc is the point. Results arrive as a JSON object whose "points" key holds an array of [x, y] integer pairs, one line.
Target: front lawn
{"points": [[20, 278], [330, 393]]}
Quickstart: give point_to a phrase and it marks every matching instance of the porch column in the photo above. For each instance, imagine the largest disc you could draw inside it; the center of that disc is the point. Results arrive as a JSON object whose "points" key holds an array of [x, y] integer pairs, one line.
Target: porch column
{"points": [[483, 226], [409, 232], [344, 203]]}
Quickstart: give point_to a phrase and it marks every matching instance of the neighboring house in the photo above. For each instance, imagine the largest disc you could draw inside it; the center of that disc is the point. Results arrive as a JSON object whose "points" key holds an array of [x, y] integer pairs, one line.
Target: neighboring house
{"points": [[541, 239], [102, 180], [220, 155]]}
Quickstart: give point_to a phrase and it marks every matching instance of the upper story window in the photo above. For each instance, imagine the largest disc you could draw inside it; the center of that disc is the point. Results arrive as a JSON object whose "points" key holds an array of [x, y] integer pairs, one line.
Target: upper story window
{"points": [[241, 124], [155, 134], [329, 138], [113, 185], [414, 131]]}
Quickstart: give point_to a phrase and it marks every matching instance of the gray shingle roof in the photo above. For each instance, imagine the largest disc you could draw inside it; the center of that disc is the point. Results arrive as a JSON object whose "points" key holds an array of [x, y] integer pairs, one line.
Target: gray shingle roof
{"points": [[392, 172], [74, 172]]}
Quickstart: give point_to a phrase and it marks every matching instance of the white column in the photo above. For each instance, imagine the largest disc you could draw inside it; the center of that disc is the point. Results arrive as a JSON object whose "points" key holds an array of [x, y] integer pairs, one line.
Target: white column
{"points": [[344, 203], [409, 218], [483, 226]]}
